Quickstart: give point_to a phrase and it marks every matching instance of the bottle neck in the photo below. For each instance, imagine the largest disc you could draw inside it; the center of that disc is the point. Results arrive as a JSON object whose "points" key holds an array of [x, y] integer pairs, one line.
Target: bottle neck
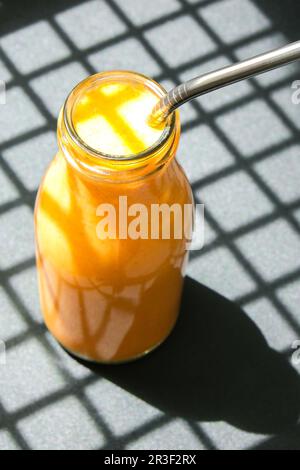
{"points": [[96, 100], [117, 170]]}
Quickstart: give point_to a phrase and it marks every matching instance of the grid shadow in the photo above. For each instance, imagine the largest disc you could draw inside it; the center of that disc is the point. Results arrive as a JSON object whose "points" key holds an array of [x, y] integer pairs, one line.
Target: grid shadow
{"points": [[270, 416]]}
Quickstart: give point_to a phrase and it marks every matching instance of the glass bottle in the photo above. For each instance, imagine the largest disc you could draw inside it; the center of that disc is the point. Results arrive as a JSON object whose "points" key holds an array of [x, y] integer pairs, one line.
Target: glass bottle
{"points": [[110, 298]]}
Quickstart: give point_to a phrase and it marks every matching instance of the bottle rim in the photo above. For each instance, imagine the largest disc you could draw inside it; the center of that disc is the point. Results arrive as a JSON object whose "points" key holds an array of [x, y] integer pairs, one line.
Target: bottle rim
{"points": [[90, 82]]}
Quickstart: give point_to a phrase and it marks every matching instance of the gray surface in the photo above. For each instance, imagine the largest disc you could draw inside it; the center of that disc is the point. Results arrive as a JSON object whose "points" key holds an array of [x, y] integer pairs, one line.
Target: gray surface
{"points": [[240, 149]]}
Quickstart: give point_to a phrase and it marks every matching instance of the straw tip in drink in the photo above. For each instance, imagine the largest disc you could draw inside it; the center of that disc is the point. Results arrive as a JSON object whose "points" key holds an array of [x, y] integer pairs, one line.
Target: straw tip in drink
{"points": [[156, 119]]}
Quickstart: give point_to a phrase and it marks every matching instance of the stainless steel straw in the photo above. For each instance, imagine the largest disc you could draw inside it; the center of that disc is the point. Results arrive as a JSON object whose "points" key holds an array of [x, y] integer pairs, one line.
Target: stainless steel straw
{"points": [[222, 77]]}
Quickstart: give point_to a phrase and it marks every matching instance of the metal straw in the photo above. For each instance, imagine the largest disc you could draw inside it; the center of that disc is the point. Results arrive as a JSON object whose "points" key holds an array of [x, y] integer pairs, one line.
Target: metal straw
{"points": [[222, 77]]}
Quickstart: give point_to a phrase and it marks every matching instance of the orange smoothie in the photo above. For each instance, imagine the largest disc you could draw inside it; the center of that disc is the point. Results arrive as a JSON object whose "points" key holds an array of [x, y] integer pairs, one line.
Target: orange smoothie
{"points": [[110, 298]]}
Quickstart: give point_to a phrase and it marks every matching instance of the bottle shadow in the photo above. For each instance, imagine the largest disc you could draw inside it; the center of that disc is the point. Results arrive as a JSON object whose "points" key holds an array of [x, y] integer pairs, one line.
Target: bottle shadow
{"points": [[216, 365]]}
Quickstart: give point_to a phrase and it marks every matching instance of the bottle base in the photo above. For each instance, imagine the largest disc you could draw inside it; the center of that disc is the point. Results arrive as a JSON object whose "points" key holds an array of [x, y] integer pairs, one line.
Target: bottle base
{"points": [[90, 360], [82, 357]]}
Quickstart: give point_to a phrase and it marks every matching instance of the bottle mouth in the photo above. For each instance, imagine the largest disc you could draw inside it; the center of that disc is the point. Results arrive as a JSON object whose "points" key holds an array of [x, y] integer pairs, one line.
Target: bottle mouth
{"points": [[119, 77]]}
